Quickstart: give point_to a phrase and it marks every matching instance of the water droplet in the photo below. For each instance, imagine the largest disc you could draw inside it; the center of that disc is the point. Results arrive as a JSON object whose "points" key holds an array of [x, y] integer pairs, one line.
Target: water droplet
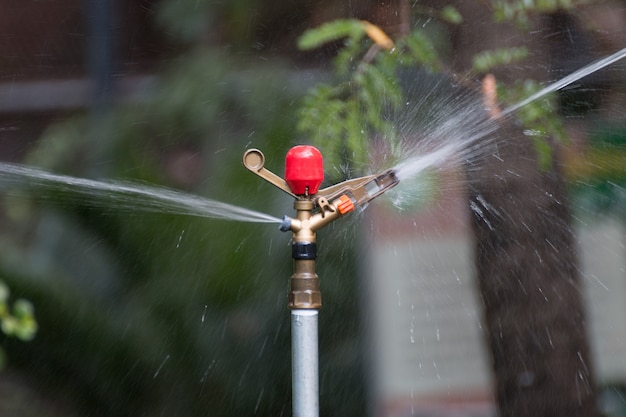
{"points": [[158, 371], [203, 315], [180, 237], [526, 379]]}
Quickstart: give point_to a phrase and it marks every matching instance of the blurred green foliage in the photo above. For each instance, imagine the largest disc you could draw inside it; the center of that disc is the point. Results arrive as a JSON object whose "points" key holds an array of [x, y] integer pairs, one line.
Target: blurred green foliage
{"points": [[157, 314], [540, 118], [519, 11], [486, 61], [342, 116], [17, 320], [145, 314], [350, 29], [599, 182]]}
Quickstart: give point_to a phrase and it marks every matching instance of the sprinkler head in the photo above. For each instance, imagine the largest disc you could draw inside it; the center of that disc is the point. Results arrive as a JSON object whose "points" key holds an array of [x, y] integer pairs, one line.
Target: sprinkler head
{"points": [[304, 170], [315, 208]]}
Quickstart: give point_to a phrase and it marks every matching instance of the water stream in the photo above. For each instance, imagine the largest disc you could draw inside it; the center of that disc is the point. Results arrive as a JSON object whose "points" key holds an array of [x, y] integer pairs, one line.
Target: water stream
{"points": [[126, 196], [463, 133], [565, 81], [459, 134]]}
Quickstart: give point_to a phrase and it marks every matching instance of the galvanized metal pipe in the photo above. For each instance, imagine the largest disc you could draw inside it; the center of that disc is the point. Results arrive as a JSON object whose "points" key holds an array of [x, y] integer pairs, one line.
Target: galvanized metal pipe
{"points": [[304, 357]]}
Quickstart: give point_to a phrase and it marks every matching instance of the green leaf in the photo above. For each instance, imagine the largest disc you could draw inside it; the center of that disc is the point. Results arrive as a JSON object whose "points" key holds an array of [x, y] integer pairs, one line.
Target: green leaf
{"points": [[539, 118], [451, 15], [9, 325], [26, 330], [487, 60], [185, 20], [356, 134], [384, 86], [422, 49], [23, 309], [4, 292], [544, 151], [331, 31], [347, 59]]}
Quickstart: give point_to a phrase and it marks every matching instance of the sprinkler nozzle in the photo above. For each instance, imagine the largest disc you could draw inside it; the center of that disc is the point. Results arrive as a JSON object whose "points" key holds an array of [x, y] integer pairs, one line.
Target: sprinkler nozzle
{"points": [[285, 225], [364, 189]]}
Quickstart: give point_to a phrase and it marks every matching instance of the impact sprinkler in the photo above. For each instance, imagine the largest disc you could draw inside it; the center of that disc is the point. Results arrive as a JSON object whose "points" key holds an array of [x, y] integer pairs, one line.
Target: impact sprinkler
{"points": [[315, 208]]}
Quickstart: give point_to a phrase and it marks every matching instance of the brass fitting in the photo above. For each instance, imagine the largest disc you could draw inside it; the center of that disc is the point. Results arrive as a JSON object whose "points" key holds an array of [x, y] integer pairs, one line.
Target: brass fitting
{"points": [[305, 284], [306, 224]]}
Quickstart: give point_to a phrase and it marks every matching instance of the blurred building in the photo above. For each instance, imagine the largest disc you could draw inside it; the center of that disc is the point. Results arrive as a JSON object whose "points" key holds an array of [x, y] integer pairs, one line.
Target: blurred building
{"points": [[428, 352], [59, 57]]}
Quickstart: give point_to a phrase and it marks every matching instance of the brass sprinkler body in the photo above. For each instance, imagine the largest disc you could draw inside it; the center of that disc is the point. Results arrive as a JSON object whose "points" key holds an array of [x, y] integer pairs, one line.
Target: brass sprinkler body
{"points": [[305, 290], [305, 283], [315, 209]]}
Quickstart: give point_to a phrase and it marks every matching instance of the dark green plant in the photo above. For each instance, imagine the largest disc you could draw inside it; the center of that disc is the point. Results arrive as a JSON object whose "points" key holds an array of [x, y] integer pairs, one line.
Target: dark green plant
{"points": [[486, 61], [151, 313], [599, 180], [341, 117], [520, 11], [344, 115], [540, 118], [17, 320]]}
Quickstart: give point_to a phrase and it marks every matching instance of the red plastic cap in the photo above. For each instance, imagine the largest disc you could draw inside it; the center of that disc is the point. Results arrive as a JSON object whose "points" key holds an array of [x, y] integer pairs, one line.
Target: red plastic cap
{"points": [[304, 169]]}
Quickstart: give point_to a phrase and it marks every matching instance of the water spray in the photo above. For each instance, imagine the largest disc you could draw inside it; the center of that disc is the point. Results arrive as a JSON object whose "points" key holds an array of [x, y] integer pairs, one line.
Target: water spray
{"points": [[315, 208]]}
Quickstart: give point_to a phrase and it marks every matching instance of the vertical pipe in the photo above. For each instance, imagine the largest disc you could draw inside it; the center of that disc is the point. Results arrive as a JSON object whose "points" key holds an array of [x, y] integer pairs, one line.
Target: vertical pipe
{"points": [[304, 357], [99, 16], [99, 22]]}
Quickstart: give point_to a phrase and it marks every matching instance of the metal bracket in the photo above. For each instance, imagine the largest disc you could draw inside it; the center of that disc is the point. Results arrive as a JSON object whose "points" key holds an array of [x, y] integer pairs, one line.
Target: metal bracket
{"points": [[254, 160], [363, 189]]}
